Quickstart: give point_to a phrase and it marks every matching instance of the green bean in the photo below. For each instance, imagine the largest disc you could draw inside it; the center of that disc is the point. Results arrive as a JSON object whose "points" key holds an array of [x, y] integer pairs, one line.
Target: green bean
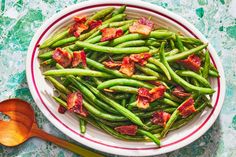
{"points": [[181, 81], [108, 16], [179, 44], [169, 102], [82, 124], [116, 73], [111, 123], [170, 122], [151, 42], [123, 102], [132, 98], [102, 115], [195, 82], [119, 10], [94, 55], [125, 27], [147, 71], [213, 73], [172, 44], [206, 65], [136, 36], [73, 39], [54, 39], [132, 43], [103, 58], [125, 112], [161, 66], [46, 55], [58, 85], [192, 74], [78, 72], [190, 40], [121, 96], [172, 97], [118, 135], [125, 89], [149, 135], [120, 23], [119, 57], [94, 39], [100, 14], [61, 102], [113, 50], [157, 131], [118, 17], [185, 53], [153, 67], [123, 81], [48, 62]]}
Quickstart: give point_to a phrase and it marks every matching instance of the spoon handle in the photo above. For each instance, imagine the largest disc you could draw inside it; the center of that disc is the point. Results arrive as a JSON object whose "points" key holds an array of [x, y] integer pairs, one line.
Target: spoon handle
{"points": [[36, 132]]}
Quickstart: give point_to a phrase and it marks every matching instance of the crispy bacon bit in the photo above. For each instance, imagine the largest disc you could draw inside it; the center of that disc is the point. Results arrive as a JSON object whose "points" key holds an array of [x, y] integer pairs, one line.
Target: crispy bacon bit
{"points": [[80, 19], [180, 92], [187, 107], [157, 92], [143, 98], [79, 57], [127, 129], [75, 104], [146, 21], [160, 118], [61, 109], [193, 62], [93, 24], [127, 66], [62, 57], [111, 33], [79, 29], [111, 64], [140, 58], [143, 26]]}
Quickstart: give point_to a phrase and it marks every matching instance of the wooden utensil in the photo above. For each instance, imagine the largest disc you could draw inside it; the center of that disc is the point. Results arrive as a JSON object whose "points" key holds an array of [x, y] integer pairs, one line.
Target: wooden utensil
{"points": [[22, 126]]}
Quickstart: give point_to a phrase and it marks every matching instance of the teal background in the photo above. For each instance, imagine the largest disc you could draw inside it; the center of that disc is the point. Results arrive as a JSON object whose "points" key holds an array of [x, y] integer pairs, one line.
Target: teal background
{"points": [[216, 19]]}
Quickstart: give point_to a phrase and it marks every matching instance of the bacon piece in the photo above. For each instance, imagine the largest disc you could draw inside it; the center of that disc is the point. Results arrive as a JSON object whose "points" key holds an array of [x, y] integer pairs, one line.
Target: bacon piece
{"points": [[146, 22], [127, 129], [75, 104], [193, 62], [111, 33], [157, 92], [111, 64], [93, 24], [81, 27], [160, 118], [62, 57], [80, 19], [140, 58], [187, 107], [61, 109], [143, 98], [180, 92], [127, 66], [79, 57]]}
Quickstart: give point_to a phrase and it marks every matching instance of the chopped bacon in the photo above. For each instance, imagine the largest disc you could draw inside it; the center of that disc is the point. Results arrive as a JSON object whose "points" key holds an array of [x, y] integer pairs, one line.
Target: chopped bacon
{"points": [[160, 118], [142, 26], [93, 23], [146, 21], [111, 33], [61, 109], [145, 96], [62, 57], [193, 62], [180, 92], [187, 107], [140, 58], [75, 104], [79, 57], [81, 27], [127, 129], [111, 64], [157, 92], [80, 19], [127, 66]]}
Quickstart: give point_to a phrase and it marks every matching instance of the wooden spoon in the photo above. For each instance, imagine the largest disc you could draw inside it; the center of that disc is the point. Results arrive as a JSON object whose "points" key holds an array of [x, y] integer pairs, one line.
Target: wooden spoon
{"points": [[22, 126]]}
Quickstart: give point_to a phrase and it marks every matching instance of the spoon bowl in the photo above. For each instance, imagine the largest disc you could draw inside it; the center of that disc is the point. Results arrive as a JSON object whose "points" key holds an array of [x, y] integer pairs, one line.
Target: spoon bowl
{"points": [[22, 125]]}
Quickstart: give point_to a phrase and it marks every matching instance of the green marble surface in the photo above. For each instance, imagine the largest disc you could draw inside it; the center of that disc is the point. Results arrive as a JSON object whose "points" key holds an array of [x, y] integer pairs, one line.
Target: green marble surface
{"points": [[216, 19]]}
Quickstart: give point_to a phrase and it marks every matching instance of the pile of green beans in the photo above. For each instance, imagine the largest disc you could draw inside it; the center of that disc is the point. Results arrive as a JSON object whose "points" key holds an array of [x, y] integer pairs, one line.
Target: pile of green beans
{"points": [[110, 96]]}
